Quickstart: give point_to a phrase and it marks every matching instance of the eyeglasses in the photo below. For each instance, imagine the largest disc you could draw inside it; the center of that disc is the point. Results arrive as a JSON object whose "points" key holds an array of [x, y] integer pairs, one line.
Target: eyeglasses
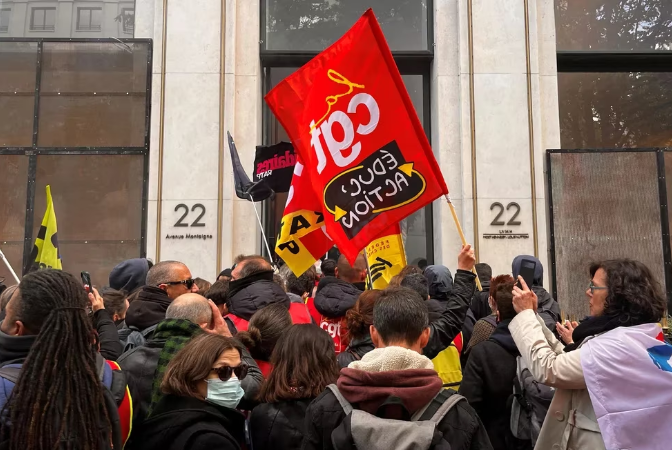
{"points": [[224, 373], [187, 283], [594, 288]]}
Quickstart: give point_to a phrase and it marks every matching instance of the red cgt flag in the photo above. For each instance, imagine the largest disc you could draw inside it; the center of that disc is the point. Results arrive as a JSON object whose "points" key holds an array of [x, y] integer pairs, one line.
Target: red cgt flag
{"points": [[350, 118]]}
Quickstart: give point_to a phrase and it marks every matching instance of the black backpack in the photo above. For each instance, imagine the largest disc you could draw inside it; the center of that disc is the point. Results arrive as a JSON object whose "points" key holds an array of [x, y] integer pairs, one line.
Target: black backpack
{"points": [[132, 337]]}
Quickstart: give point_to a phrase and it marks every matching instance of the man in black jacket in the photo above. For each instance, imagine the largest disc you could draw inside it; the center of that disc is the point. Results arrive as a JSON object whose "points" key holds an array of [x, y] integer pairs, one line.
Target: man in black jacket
{"points": [[395, 369], [186, 317], [488, 376], [166, 281], [336, 295]]}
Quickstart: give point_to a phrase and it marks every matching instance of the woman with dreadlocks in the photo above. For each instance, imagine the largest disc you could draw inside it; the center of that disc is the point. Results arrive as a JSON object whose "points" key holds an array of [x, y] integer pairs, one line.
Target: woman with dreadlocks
{"points": [[49, 364]]}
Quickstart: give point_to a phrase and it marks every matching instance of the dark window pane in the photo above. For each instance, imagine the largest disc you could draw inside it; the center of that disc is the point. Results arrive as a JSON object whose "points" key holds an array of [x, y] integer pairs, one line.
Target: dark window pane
{"points": [[16, 120], [607, 110], [315, 24], [13, 180], [613, 24], [50, 18], [96, 18], [38, 19], [94, 67], [84, 20], [98, 205], [5, 14], [18, 63], [96, 121], [605, 206], [93, 94]]}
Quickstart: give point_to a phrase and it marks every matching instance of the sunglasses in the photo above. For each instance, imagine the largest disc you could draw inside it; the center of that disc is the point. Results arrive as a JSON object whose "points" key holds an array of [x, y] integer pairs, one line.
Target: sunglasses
{"points": [[224, 373], [187, 283]]}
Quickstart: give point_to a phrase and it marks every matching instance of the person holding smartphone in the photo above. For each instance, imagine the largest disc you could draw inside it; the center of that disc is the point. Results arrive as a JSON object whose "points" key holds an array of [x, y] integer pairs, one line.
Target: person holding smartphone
{"points": [[532, 271]]}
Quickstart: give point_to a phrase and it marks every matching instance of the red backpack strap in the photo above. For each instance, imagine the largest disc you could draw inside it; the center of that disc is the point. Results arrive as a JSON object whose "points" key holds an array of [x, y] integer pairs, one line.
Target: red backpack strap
{"points": [[125, 408]]}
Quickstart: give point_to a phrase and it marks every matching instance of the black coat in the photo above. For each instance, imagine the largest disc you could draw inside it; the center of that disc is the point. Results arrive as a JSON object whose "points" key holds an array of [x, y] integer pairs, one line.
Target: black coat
{"points": [[108, 336], [480, 306], [187, 423], [335, 297], [355, 351], [250, 294], [460, 426], [547, 308], [449, 324], [487, 383], [278, 425]]}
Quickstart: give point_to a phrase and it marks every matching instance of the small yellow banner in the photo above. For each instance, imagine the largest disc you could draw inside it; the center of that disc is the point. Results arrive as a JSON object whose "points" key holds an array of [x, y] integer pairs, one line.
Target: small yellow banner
{"points": [[386, 257]]}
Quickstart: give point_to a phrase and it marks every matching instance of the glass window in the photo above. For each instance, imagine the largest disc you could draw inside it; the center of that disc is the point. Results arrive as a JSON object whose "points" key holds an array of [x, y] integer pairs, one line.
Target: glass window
{"points": [[89, 19], [5, 14], [315, 24], [413, 229], [93, 94], [18, 61], [43, 19], [127, 19], [622, 25], [98, 205], [13, 185], [615, 110]]}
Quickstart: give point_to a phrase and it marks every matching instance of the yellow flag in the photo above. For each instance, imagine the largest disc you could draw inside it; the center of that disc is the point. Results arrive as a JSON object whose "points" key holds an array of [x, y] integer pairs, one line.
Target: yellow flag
{"points": [[45, 254], [386, 257]]}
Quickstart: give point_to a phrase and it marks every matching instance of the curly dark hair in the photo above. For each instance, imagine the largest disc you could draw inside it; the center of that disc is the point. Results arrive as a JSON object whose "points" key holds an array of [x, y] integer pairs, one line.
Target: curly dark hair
{"points": [[633, 293]]}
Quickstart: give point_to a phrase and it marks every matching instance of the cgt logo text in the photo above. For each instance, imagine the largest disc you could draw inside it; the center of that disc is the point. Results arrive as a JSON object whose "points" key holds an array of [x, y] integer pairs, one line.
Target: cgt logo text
{"points": [[382, 182]]}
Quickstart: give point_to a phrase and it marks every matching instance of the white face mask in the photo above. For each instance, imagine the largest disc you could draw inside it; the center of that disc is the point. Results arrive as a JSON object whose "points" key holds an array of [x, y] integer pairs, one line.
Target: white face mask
{"points": [[224, 393]]}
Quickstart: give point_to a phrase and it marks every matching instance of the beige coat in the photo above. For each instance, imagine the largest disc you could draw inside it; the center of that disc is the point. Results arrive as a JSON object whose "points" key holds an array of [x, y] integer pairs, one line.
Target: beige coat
{"points": [[570, 423]]}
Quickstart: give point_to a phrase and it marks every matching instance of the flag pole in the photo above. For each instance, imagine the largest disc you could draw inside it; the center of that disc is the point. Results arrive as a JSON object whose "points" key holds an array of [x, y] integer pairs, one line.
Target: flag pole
{"points": [[9, 266], [464, 239], [261, 227]]}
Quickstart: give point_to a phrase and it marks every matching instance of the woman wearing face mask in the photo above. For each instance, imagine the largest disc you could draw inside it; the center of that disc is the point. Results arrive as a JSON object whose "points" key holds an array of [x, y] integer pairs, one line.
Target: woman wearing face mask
{"points": [[202, 387]]}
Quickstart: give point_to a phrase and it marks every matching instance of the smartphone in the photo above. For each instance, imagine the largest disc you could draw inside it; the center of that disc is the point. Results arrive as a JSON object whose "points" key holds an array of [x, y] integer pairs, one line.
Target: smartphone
{"points": [[86, 280], [527, 268]]}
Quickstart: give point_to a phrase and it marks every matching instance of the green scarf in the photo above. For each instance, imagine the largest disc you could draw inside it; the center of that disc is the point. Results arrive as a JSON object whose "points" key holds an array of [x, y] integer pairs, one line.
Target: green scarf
{"points": [[177, 333]]}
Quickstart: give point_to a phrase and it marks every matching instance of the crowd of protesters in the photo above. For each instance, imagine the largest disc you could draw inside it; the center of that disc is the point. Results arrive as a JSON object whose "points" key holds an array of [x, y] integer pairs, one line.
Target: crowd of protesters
{"points": [[264, 359]]}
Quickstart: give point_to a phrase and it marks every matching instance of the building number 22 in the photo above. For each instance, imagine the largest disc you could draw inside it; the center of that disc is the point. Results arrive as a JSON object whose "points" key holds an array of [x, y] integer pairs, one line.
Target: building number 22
{"points": [[195, 223], [512, 221]]}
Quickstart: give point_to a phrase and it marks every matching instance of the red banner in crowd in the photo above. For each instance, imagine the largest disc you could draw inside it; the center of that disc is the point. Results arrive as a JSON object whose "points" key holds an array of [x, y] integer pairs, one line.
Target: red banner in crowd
{"points": [[351, 120], [302, 239]]}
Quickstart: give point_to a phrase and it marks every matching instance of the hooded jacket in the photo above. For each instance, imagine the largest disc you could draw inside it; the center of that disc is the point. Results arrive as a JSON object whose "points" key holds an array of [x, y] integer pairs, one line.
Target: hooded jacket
{"points": [[385, 372], [487, 384], [548, 309], [334, 297], [189, 423], [148, 309], [252, 293], [129, 275]]}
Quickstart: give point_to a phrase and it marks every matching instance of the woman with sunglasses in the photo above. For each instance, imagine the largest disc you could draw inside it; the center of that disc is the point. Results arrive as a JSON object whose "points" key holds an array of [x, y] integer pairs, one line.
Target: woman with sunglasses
{"points": [[617, 361], [198, 412], [304, 364]]}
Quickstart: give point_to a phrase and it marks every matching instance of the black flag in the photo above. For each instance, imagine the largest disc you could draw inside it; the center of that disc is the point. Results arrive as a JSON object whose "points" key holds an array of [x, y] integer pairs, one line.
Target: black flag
{"points": [[246, 189]]}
